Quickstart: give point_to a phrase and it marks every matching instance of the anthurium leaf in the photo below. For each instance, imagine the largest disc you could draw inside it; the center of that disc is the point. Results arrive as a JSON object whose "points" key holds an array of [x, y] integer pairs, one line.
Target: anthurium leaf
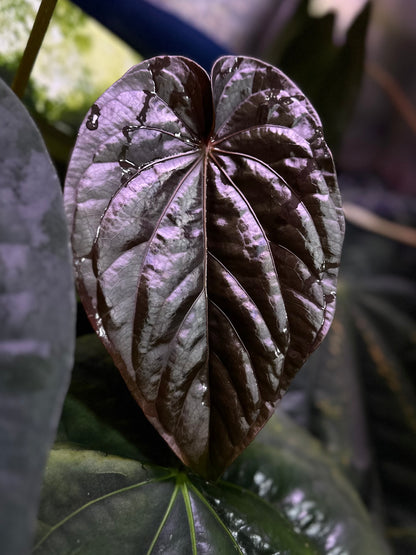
{"points": [[282, 491], [112, 502], [206, 229], [287, 468], [37, 315], [327, 398]]}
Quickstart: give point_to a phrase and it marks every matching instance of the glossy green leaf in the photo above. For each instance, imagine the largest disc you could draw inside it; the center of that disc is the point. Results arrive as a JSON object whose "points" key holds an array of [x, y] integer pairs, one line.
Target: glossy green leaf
{"points": [[37, 315], [288, 469], [282, 495], [112, 502], [206, 227], [327, 399]]}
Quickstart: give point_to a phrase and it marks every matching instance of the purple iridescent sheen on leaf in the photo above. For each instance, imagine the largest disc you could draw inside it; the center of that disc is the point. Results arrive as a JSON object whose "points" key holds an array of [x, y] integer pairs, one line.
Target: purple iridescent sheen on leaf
{"points": [[206, 226]]}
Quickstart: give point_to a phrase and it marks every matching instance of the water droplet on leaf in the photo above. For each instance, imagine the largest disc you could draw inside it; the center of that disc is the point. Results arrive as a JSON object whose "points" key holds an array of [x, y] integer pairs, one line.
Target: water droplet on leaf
{"points": [[286, 101], [92, 121], [330, 297], [128, 129], [100, 327]]}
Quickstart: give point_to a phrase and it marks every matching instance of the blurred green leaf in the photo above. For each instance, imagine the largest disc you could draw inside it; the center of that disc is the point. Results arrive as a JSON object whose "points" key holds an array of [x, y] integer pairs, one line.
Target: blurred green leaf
{"points": [[78, 60], [99, 412], [329, 73]]}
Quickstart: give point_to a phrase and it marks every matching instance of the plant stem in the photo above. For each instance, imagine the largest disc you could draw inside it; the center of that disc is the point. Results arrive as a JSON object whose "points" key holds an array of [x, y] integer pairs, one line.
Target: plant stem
{"points": [[33, 45], [367, 220]]}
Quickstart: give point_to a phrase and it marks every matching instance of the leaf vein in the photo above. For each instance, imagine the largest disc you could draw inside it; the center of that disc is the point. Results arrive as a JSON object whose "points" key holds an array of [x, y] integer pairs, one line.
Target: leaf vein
{"points": [[98, 500], [224, 315], [164, 519], [153, 235], [265, 126], [261, 228], [117, 191], [189, 514], [269, 168], [216, 517], [243, 408], [249, 297]]}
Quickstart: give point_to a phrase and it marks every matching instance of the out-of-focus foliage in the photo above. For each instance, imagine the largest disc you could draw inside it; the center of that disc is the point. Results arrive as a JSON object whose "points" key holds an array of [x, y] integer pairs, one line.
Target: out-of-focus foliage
{"points": [[381, 137], [236, 24], [328, 72], [78, 60], [357, 393], [283, 33], [154, 31]]}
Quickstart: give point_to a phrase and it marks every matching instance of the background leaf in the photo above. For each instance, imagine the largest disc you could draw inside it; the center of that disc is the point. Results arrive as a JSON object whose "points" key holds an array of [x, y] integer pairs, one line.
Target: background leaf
{"points": [[37, 311], [206, 245], [329, 73], [281, 493], [357, 393]]}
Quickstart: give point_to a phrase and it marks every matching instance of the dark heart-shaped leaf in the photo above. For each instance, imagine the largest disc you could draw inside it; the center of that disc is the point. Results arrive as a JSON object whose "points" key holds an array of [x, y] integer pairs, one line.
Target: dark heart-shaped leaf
{"points": [[206, 228]]}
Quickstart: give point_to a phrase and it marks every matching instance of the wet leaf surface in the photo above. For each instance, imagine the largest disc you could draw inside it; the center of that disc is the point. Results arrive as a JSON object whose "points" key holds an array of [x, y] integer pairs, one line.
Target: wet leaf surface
{"points": [[37, 315], [206, 230]]}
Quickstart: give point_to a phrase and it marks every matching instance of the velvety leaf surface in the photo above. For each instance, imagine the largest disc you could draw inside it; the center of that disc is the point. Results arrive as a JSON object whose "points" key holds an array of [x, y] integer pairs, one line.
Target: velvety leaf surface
{"points": [[282, 495], [37, 315], [206, 229]]}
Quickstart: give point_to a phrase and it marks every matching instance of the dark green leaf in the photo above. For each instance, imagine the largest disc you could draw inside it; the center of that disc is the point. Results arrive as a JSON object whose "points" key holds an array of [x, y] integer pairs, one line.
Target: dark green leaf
{"points": [[96, 504], [281, 494], [326, 398], [206, 229], [37, 315], [99, 412], [288, 469]]}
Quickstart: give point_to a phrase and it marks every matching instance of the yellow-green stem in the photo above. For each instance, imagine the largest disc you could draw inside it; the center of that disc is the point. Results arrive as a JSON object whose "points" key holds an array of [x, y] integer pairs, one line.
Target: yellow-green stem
{"points": [[33, 45]]}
